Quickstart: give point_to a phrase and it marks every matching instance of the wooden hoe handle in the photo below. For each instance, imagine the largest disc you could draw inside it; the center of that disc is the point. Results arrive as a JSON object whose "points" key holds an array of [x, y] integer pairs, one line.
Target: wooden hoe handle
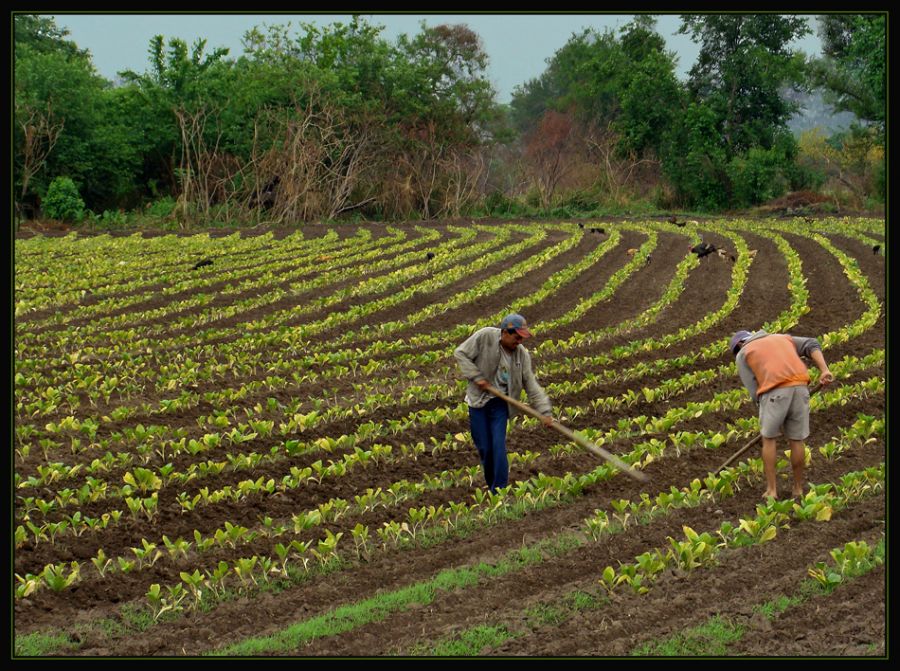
{"points": [[588, 445]]}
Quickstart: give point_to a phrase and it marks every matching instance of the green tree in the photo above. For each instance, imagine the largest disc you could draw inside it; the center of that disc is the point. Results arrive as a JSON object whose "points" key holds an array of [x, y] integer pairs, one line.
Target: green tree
{"points": [[321, 96], [694, 159], [625, 83], [732, 147], [444, 71], [176, 106], [652, 97], [40, 34], [622, 95], [53, 87], [66, 120], [585, 78], [117, 146], [530, 100], [853, 69], [744, 63]]}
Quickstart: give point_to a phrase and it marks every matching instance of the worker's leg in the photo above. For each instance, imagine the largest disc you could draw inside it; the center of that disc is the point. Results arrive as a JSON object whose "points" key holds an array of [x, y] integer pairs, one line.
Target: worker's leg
{"points": [[773, 407], [796, 430], [798, 464], [768, 457], [498, 415], [481, 436]]}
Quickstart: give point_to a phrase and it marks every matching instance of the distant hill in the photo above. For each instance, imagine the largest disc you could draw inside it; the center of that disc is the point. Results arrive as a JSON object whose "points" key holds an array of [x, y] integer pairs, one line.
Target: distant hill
{"points": [[816, 112]]}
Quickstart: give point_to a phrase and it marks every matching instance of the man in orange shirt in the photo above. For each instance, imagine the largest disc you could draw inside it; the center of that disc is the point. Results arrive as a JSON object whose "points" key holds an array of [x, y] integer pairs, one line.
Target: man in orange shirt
{"points": [[771, 368]]}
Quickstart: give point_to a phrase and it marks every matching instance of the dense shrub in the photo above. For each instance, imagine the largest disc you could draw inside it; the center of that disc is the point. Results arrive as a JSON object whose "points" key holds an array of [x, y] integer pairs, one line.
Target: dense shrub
{"points": [[113, 218], [63, 200], [580, 200], [756, 177], [162, 207]]}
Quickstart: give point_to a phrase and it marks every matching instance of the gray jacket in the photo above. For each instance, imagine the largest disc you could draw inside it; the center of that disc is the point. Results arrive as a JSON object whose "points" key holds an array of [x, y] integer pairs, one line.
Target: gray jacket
{"points": [[478, 358], [805, 347]]}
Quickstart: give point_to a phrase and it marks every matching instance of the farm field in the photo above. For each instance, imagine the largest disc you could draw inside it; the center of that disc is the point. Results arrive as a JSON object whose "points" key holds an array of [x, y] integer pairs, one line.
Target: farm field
{"points": [[269, 454]]}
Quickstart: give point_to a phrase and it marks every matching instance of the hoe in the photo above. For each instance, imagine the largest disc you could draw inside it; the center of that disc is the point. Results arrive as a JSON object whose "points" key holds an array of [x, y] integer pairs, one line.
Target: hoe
{"points": [[599, 451]]}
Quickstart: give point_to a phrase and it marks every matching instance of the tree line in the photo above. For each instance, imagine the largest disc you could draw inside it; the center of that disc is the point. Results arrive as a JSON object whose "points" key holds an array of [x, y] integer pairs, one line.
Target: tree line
{"points": [[336, 121]]}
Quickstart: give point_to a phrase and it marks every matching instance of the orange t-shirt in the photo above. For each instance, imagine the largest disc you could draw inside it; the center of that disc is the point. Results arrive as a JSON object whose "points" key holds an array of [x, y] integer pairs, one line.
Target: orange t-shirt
{"points": [[775, 363]]}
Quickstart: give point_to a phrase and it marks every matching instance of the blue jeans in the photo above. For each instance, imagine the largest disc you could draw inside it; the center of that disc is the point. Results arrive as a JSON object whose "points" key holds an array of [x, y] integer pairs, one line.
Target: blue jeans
{"points": [[488, 426]]}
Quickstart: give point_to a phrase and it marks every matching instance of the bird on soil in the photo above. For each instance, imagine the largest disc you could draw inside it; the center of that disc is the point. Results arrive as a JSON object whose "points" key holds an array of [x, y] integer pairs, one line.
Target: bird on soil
{"points": [[429, 256], [752, 253], [200, 264], [702, 249], [631, 252], [876, 249], [725, 254]]}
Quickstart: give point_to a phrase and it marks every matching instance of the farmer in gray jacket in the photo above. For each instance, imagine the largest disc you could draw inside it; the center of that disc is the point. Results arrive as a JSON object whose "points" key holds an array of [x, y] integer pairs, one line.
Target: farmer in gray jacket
{"points": [[495, 356]]}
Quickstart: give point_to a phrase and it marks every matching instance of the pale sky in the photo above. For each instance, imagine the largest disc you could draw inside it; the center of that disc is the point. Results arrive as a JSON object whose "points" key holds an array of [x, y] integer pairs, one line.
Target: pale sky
{"points": [[518, 45]]}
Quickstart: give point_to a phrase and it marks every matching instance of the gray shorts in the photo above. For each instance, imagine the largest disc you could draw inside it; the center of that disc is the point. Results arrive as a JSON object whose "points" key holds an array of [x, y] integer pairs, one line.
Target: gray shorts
{"points": [[785, 408]]}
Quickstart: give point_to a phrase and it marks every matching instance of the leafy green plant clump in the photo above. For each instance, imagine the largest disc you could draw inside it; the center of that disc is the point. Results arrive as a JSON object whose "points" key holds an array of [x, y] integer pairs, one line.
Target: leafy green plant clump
{"points": [[63, 200]]}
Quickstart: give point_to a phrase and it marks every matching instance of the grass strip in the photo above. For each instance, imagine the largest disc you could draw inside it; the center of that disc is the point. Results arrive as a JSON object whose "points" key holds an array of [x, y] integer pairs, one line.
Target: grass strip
{"points": [[471, 643], [710, 638], [40, 644], [379, 607]]}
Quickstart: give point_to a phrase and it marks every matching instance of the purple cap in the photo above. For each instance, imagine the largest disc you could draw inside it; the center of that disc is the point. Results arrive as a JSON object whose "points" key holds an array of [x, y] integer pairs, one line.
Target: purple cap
{"points": [[517, 322], [737, 339]]}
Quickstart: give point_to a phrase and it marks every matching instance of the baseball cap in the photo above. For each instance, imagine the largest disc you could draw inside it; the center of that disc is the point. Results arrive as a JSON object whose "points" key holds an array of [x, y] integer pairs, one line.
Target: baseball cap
{"points": [[517, 322], [737, 339]]}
